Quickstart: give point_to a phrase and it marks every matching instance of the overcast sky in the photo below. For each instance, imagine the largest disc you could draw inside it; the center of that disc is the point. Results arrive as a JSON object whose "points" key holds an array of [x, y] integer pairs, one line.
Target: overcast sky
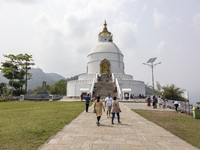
{"points": [[59, 34]]}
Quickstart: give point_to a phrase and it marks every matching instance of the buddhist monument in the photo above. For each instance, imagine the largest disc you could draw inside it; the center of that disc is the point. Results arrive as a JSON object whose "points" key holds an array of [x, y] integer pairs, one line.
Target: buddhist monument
{"points": [[105, 72]]}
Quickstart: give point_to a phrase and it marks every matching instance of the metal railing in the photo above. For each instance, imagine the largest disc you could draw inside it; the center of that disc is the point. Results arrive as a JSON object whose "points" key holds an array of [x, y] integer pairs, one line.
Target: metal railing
{"points": [[41, 97], [183, 107]]}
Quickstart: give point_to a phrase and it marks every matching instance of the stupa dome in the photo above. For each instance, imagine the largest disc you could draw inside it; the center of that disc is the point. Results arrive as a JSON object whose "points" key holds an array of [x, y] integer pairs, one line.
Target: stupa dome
{"points": [[105, 47], [107, 53]]}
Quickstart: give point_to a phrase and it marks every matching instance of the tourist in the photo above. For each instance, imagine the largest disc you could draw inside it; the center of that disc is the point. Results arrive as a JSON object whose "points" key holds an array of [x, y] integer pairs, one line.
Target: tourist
{"points": [[81, 96], [108, 102], [148, 101], [90, 95], [163, 104], [87, 101], [154, 102], [93, 99], [176, 104], [98, 106], [159, 101], [115, 109]]}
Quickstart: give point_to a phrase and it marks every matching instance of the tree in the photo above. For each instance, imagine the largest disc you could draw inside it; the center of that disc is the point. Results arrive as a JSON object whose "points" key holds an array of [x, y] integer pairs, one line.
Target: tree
{"points": [[15, 69], [172, 92], [55, 89], [59, 87], [26, 62], [149, 90], [38, 89], [158, 90], [10, 69], [2, 86]]}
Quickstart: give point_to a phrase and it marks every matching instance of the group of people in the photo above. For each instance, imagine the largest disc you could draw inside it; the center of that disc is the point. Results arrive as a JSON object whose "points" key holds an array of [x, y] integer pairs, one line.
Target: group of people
{"points": [[108, 75], [161, 102], [111, 105]]}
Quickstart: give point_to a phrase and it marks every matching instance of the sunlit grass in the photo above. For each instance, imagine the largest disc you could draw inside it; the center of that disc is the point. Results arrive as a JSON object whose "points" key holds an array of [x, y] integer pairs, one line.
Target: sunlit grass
{"points": [[27, 125]]}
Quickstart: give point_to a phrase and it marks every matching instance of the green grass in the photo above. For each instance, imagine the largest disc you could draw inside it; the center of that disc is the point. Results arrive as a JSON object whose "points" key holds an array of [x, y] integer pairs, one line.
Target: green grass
{"points": [[180, 124], [27, 125]]}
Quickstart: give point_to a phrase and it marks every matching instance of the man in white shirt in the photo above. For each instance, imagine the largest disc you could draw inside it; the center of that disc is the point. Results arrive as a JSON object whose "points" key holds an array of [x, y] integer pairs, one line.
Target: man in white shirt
{"points": [[176, 104], [108, 102]]}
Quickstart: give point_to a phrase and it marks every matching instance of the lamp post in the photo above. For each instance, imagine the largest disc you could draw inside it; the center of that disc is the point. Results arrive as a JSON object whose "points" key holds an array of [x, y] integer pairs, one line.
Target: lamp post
{"points": [[151, 65]]}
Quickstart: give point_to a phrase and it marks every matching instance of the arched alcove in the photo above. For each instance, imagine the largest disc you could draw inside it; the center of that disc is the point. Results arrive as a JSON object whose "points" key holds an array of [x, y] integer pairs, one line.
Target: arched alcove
{"points": [[105, 66]]}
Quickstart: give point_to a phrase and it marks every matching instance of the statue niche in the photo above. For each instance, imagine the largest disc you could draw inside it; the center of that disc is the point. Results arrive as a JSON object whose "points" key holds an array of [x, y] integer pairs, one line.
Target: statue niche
{"points": [[105, 66]]}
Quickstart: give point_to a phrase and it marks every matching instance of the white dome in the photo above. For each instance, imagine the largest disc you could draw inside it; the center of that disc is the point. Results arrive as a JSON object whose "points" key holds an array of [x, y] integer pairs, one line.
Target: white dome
{"points": [[105, 47], [105, 56]]}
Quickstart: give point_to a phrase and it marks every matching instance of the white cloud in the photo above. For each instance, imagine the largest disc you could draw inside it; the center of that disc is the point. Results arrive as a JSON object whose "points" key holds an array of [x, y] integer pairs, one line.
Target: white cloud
{"points": [[161, 46], [42, 21], [23, 1], [124, 33], [159, 18], [144, 8], [196, 21]]}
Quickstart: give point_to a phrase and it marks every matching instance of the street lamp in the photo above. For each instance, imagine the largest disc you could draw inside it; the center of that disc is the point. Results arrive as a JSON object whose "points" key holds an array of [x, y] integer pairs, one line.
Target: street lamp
{"points": [[151, 65]]}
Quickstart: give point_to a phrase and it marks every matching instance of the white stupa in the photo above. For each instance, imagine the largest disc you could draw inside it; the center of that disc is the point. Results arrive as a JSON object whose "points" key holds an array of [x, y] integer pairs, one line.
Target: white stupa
{"points": [[105, 57]]}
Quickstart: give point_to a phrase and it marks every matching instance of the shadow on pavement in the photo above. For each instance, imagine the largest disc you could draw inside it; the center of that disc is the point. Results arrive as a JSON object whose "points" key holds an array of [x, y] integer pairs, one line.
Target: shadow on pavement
{"points": [[106, 125]]}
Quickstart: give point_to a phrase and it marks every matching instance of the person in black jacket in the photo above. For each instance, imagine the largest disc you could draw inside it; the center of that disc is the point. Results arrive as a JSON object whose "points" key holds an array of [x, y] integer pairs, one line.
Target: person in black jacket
{"points": [[87, 102]]}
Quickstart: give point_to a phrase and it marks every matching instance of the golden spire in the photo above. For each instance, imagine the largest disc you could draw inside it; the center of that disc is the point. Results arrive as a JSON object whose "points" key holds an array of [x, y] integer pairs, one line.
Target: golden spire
{"points": [[105, 31]]}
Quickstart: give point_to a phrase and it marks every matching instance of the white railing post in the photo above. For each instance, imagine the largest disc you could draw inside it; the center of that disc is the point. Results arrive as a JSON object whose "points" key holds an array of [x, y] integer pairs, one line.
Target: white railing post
{"points": [[92, 87], [96, 77], [113, 78], [118, 88]]}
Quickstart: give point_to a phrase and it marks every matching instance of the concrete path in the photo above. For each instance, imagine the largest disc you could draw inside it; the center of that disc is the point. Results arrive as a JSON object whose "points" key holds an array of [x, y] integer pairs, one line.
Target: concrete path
{"points": [[134, 132]]}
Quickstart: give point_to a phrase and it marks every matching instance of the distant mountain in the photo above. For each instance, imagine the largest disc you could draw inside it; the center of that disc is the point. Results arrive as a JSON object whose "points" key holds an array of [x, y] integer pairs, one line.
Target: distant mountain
{"points": [[73, 78], [38, 76], [3, 79]]}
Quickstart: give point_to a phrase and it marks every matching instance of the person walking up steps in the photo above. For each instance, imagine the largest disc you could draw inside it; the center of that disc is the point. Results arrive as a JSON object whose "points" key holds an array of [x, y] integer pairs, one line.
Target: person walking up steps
{"points": [[98, 106], [115, 109], [108, 102]]}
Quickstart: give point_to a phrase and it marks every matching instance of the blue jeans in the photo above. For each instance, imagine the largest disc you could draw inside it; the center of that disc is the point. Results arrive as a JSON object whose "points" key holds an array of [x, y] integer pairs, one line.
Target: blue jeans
{"points": [[113, 116]]}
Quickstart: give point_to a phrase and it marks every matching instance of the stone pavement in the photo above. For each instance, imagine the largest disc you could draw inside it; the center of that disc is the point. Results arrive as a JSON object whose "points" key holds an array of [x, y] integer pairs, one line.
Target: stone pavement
{"points": [[134, 132], [145, 107]]}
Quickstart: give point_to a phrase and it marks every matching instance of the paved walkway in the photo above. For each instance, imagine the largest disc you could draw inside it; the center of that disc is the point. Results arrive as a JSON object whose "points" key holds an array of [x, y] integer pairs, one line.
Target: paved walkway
{"points": [[134, 132], [145, 107]]}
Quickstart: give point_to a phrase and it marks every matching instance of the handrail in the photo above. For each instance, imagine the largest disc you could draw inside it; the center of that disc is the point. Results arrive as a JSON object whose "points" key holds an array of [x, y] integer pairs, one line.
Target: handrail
{"points": [[93, 83], [92, 87], [113, 78], [96, 77], [118, 88]]}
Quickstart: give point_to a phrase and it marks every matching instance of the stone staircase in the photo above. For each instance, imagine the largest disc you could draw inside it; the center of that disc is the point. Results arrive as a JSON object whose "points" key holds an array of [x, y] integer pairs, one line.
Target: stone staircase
{"points": [[105, 87]]}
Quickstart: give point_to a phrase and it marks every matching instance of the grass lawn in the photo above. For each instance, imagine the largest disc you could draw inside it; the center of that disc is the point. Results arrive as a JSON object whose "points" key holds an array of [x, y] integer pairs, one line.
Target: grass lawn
{"points": [[27, 125], [180, 124]]}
